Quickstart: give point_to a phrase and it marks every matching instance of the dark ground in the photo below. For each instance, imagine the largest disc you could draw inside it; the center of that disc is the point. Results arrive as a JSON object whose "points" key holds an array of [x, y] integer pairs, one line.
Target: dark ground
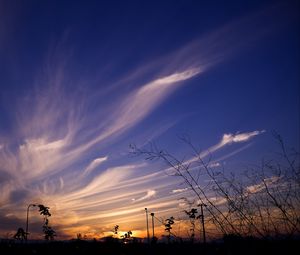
{"points": [[251, 247]]}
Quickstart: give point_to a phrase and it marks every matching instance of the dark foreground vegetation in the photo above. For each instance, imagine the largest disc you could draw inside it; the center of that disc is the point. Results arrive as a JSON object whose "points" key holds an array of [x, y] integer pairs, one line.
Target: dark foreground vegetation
{"points": [[227, 246]]}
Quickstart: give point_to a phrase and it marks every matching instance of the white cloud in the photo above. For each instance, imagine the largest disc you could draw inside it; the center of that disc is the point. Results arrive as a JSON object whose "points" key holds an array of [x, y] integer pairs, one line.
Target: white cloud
{"points": [[58, 130], [179, 190], [261, 186], [95, 163], [214, 164], [228, 139], [239, 137], [136, 105], [176, 77], [146, 98], [106, 180], [150, 193], [38, 156]]}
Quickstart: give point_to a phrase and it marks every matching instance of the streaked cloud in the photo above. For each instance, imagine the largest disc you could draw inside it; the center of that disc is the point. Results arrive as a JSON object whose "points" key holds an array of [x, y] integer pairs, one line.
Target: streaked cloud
{"points": [[228, 139], [239, 137], [262, 185], [179, 190], [150, 193], [95, 163], [139, 103], [58, 153], [214, 164]]}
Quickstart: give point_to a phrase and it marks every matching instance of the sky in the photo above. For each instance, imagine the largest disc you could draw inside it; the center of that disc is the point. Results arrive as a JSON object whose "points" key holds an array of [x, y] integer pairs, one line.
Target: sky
{"points": [[82, 80]]}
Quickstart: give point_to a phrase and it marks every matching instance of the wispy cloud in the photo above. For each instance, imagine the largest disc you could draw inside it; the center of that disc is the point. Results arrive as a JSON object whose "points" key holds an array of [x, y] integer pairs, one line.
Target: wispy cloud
{"points": [[271, 181], [239, 137], [214, 164], [150, 193], [110, 178], [94, 164], [179, 190], [228, 139], [139, 103], [60, 124]]}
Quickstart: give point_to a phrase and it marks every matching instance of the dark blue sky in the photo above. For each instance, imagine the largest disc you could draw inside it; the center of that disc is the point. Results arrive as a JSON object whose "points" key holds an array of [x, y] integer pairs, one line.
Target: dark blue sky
{"points": [[81, 80]]}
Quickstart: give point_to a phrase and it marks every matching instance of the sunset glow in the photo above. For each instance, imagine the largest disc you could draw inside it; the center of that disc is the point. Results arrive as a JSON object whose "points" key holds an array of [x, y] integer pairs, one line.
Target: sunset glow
{"points": [[83, 80]]}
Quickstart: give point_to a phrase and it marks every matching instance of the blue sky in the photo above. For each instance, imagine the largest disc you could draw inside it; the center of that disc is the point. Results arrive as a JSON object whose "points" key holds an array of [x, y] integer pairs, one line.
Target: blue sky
{"points": [[82, 80]]}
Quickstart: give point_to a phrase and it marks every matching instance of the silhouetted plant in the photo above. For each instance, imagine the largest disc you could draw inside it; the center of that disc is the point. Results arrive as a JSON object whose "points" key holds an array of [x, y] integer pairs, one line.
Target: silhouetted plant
{"points": [[266, 204], [20, 235], [129, 233], [127, 236], [192, 216], [182, 169], [116, 228], [168, 226], [49, 233], [44, 210], [47, 230]]}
